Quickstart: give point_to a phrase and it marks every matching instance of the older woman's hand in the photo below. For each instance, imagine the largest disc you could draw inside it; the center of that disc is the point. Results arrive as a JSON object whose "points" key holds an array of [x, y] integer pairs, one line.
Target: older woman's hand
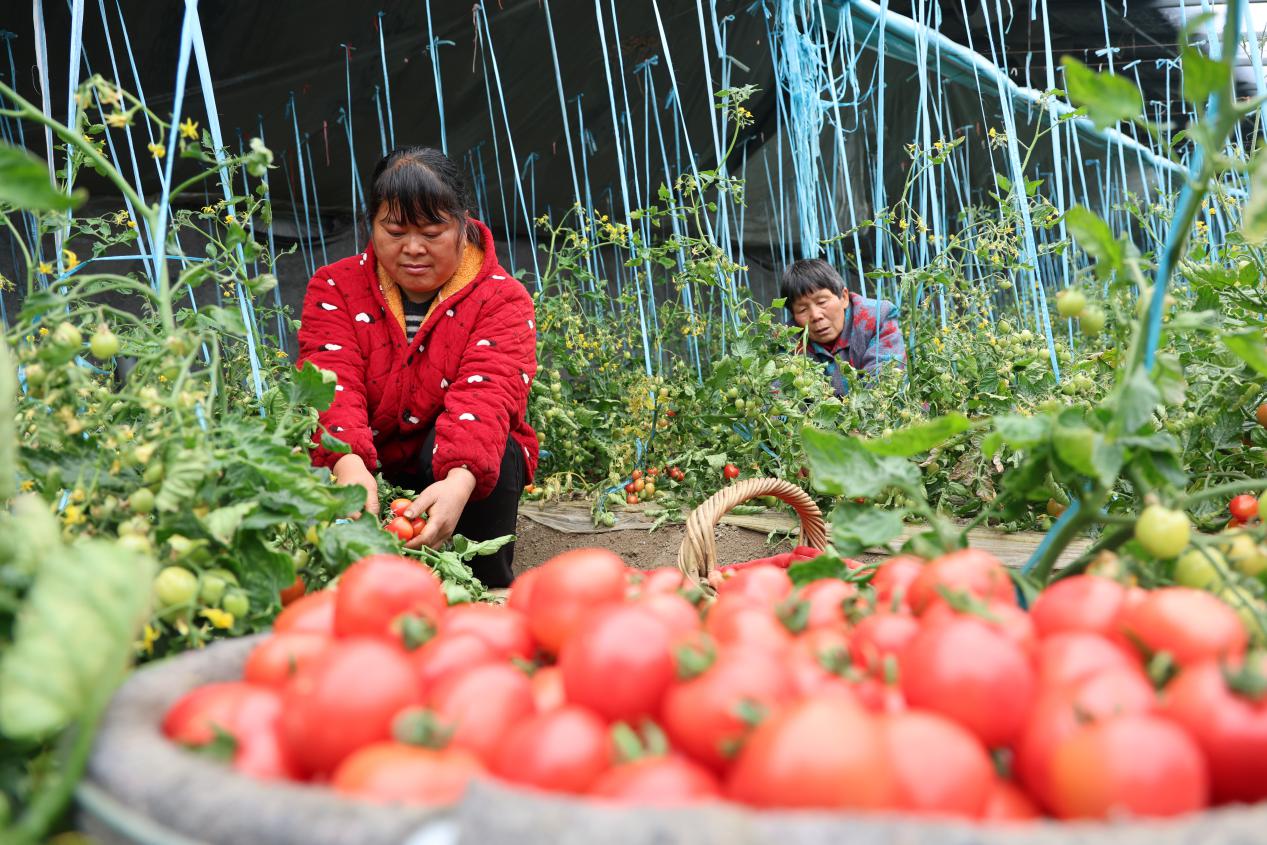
{"points": [[442, 502], [350, 469]]}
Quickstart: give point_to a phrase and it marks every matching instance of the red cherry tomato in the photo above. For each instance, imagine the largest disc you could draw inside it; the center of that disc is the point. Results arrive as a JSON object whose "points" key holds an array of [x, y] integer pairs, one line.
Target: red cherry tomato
{"points": [[567, 587], [967, 670], [1243, 507], [730, 471], [563, 750], [296, 590], [376, 590], [280, 657], [398, 506], [392, 772], [402, 528], [657, 781], [416, 525], [313, 613], [824, 752], [941, 768], [1128, 766], [345, 701]]}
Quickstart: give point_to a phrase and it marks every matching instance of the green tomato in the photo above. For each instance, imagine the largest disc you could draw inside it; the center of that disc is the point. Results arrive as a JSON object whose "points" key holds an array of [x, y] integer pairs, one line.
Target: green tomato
{"points": [[141, 501], [35, 375], [1246, 555], [1201, 569], [67, 336], [104, 343], [1092, 321], [153, 473], [1163, 532], [174, 586], [136, 543], [212, 590], [1070, 302], [237, 603]]}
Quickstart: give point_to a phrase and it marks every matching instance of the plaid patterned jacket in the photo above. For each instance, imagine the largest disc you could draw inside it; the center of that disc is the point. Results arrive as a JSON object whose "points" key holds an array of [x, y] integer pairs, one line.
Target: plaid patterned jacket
{"points": [[870, 339]]}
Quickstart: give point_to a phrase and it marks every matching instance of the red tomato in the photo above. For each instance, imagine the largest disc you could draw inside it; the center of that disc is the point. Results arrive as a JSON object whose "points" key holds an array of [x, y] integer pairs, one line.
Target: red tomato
{"points": [[883, 635], [1243, 507], [295, 591], [820, 753], [767, 585], [345, 701], [661, 781], [280, 657], [1060, 710], [818, 662], [1007, 619], [664, 579], [417, 524], [398, 506], [704, 716], [892, 581], [1128, 766], [521, 590], [941, 769], [1069, 657], [547, 688], [972, 673], [502, 627], [262, 755], [677, 614], [313, 613], [1080, 603], [730, 471], [232, 707], [448, 653], [618, 662], [826, 598], [1007, 804], [972, 571], [376, 590], [481, 704], [402, 528], [740, 620], [392, 772], [1190, 624], [563, 750], [569, 586], [1230, 728]]}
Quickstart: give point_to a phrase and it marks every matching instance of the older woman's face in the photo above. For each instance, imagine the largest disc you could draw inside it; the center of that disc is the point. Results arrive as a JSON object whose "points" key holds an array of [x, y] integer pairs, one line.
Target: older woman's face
{"points": [[418, 258]]}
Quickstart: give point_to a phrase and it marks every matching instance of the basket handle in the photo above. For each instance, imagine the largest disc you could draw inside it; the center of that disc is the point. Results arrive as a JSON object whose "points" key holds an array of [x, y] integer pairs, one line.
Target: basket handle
{"points": [[698, 555]]}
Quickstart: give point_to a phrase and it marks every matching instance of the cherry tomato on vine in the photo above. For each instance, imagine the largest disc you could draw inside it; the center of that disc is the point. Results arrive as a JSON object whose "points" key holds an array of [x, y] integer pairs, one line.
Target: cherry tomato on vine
{"points": [[294, 591], [1243, 507], [730, 471], [398, 506], [1261, 415], [417, 524]]}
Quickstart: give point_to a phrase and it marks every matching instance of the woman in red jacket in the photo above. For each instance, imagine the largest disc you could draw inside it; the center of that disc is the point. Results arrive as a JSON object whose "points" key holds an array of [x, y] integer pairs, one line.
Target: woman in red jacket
{"points": [[434, 345]]}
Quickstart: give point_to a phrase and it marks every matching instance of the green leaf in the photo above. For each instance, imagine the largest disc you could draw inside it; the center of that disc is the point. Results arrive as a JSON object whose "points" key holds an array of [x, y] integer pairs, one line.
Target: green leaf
{"points": [[309, 388], [183, 471], [1250, 348], [1202, 75], [841, 466], [855, 528], [1137, 399], [1096, 239], [1022, 432], [333, 444], [26, 184], [919, 437], [73, 637], [823, 566], [1254, 216], [345, 543], [1075, 447], [223, 523], [1107, 97]]}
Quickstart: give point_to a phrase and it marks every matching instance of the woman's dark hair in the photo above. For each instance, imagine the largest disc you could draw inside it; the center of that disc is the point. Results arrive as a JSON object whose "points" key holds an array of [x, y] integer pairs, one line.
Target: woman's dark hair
{"points": [[423, 186], [808, 275]]}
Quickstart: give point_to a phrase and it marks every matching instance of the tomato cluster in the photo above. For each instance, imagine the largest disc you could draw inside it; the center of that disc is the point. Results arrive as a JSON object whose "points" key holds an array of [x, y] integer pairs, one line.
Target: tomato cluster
{"points": [[641, 486], [898, 690], [401, 526]]}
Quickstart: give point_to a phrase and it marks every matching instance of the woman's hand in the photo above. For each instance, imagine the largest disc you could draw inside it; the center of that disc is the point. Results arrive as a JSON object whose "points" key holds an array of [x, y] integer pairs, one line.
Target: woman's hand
{"points": [[442, 502], [350, 469]]}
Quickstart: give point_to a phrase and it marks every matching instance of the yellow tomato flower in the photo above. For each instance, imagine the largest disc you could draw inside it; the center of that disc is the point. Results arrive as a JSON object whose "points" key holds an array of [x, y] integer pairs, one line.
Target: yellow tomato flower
{"points": [[118, 119], [43, 331], [72, 260], [189, 129], [45, 268], [148, 638], [157, 150], [229, 218], [131, 224], [27, 485], [217, 617]]}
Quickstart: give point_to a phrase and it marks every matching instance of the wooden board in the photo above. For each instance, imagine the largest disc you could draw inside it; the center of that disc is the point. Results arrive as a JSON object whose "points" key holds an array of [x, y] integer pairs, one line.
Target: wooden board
{"points": [[1014, 548]]}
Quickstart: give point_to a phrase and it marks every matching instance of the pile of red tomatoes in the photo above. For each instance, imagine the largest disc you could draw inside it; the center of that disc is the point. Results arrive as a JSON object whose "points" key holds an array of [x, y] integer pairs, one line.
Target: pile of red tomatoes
{"points": [[919, 688]]}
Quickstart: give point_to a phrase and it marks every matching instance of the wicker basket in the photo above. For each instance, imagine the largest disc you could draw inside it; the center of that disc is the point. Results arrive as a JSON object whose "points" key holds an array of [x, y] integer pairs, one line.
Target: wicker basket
{"points": [[698, 555]]}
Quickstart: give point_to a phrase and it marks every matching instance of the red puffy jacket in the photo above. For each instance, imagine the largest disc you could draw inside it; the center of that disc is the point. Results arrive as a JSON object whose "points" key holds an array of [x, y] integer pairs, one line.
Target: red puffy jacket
{"points": [[468, 370]]}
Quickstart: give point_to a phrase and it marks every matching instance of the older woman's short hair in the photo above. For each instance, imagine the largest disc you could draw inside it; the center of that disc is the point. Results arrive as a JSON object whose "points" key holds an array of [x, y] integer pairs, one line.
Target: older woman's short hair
{"points": [[807, 276]]}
